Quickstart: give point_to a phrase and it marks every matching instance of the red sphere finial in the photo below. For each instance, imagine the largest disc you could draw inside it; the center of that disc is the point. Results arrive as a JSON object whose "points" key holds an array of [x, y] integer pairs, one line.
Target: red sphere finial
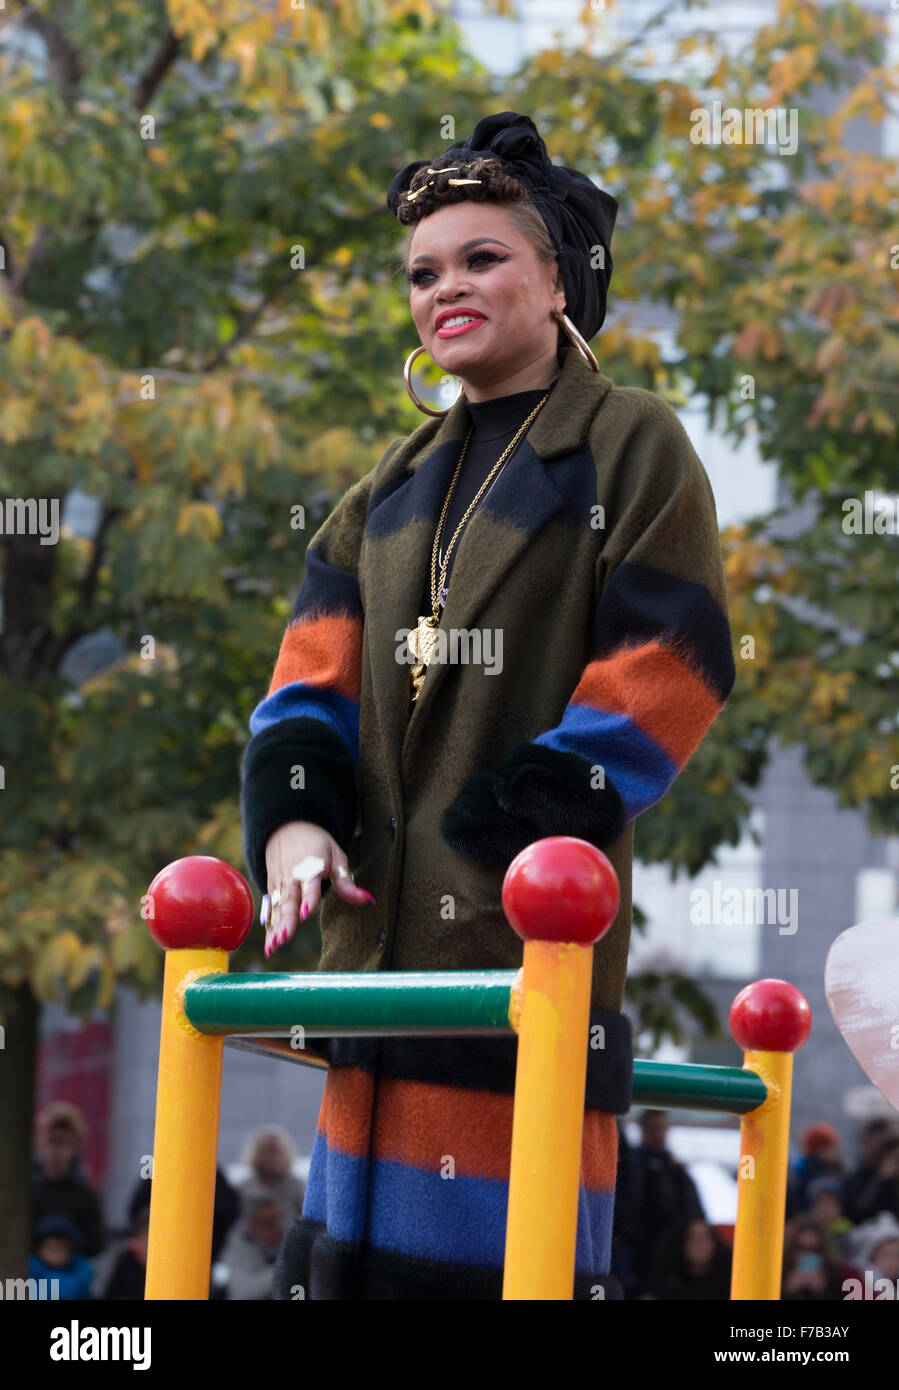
{"points": [[561, 889], [199, 901], [770, 1016]]}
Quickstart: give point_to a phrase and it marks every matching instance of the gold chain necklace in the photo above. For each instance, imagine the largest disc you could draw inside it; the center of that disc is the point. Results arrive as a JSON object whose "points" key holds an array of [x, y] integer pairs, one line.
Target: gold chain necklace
{"points": [[423, 639]]}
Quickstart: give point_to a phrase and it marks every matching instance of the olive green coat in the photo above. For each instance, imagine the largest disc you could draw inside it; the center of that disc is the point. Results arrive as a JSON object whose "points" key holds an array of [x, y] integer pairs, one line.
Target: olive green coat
{"points": [[595, 559]]}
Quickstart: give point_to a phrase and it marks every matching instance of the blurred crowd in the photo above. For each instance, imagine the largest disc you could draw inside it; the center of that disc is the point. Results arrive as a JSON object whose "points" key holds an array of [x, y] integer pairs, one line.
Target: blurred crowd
{"points": [[842, 1223], [71, 1243], [841, 1235]]}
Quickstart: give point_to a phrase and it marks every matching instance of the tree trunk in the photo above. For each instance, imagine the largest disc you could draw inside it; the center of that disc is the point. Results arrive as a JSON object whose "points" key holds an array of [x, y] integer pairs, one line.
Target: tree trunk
{"points": [[18, 1062]]}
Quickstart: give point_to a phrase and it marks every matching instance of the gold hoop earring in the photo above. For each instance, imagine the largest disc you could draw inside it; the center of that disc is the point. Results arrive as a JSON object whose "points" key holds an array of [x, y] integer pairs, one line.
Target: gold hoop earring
{"points": [[577, 338], [407, 378]]}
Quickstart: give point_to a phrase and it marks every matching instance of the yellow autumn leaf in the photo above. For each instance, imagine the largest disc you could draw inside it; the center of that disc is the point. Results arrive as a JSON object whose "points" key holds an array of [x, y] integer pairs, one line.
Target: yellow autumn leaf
{"points": [[229, 476], [16, 418], [245, 53], [316, 28], [829, 690], [200, 43], [30, 339], [199, 519], [56, 960], [90, 406]]}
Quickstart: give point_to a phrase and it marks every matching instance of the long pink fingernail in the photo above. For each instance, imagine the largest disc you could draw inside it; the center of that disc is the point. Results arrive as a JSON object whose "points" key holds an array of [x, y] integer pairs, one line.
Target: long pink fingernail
{"points": [[366, 895], [304, 911]]}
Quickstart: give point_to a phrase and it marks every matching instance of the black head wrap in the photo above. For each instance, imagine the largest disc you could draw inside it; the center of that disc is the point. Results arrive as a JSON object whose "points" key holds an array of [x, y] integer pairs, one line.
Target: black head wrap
{"points": [[579, 216]]}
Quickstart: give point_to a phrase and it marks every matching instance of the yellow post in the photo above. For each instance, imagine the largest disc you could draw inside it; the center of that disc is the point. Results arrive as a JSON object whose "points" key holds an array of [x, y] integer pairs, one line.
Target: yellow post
{"points": [[548, 1120], [198, 909], [762, 1182], [770, 1019], [185, 1143], [560, 895]]}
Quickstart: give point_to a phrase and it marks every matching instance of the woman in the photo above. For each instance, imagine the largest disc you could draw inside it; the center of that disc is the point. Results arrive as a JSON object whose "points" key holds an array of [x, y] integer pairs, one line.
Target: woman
{"points": [[268, 1154], [691, 1262], [811, 1269], [561, 533]]}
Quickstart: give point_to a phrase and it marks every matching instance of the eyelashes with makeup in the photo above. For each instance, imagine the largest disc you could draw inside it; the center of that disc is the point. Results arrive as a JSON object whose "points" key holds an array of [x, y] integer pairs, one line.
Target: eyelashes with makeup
{"points": [[415, 278]]}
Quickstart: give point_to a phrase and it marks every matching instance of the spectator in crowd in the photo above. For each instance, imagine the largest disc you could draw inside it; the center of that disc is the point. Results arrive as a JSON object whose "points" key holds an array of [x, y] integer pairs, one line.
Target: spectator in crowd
{"points": [[59, 1184], [58, 1259], [690, 1262], [623, 1217], [880, 1191], [226, 1208], [662, 1193], [811, 1269], [252, 1246], [269, 1156], [826, 1206], [821, 1157], [855, 1183], [877, 1251], [127, 1276]]}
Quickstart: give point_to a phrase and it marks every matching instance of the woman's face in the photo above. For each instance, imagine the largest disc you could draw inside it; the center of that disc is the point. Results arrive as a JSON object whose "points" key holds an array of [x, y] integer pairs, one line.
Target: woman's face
{"points": [[699, 1246], [827, 1207], [271, 1157], [886, 1258], [472, 256]]}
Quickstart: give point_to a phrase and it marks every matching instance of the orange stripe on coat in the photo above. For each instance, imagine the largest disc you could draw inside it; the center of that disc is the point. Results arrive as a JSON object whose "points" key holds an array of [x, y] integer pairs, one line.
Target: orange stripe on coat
{"points": [[657, 691], [322, 651], [345, 1114], [424, 1124]]}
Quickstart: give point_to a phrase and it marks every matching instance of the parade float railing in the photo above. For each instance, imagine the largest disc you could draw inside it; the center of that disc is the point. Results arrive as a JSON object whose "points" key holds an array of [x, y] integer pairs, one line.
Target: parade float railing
{"points": [[560, 895]]}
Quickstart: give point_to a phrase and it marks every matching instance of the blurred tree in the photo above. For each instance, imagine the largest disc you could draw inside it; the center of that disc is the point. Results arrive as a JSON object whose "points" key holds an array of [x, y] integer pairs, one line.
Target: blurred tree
{"points": [[198, 333]]}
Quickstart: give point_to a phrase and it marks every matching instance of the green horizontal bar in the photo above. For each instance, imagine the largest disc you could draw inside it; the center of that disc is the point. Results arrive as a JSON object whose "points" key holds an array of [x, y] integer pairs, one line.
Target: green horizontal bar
{"points": [[687, 1086], [388, 1004], [424, 1003]]}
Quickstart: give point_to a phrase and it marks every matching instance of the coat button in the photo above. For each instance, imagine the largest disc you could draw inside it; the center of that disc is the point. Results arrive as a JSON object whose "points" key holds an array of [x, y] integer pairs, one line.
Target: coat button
{"points": [[392, 826], [381, 939]]}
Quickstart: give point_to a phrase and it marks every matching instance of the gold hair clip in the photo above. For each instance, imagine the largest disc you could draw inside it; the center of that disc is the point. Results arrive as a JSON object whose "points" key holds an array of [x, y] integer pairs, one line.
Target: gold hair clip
{"points": [[410, 197]]}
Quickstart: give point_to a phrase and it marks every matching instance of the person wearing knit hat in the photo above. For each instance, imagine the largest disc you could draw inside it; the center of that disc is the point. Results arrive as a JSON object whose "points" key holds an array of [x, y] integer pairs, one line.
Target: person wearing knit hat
{"points": [[825, 1199], [58, 1264], [876, 1245], [513, 627], [821, 1156]]}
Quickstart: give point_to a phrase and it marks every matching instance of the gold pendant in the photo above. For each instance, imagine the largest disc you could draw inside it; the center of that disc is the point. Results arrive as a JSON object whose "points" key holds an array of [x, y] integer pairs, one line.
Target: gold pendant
{"points": [[422, 641]]}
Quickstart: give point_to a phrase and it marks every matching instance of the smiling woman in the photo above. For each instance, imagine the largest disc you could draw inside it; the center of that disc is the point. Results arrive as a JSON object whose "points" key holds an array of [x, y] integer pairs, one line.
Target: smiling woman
{"points": [[483, 231], [571, 519]]}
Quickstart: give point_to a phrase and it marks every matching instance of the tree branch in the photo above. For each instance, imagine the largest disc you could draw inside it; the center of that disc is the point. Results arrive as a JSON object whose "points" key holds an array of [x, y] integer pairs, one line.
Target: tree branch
{"points": [[89, 582], [249, 321], [156, 70], [64, 61]]}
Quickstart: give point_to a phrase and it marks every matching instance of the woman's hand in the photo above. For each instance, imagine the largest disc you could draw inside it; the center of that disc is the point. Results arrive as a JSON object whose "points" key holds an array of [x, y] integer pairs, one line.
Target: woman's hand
{"points": [[290, 845]]}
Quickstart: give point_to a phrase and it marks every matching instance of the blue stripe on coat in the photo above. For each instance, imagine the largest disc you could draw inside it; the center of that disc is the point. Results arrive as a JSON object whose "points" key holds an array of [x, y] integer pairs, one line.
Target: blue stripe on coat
{"points": [[417, 1213], [638, 769], [298, 700], [335, 1191]]}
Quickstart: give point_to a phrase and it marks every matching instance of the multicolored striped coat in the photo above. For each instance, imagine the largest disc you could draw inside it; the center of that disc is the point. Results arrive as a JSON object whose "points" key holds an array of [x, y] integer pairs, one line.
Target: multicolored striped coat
{"points": [[588, 652]]}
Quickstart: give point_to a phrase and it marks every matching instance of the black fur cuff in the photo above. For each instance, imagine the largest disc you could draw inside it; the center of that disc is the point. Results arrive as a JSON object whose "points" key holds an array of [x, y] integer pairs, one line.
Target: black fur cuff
{"points": [[268, 799], [489, 1064], [537, 792]]}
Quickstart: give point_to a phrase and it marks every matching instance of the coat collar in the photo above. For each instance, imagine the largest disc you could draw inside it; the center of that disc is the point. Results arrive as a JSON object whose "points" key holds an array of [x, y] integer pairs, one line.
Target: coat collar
{"points": [[560, 428], [405, 512]]}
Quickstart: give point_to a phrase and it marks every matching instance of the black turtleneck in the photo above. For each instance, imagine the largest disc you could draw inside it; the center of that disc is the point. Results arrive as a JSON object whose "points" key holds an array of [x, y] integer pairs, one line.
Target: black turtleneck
{"points": [[495, 423]]}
